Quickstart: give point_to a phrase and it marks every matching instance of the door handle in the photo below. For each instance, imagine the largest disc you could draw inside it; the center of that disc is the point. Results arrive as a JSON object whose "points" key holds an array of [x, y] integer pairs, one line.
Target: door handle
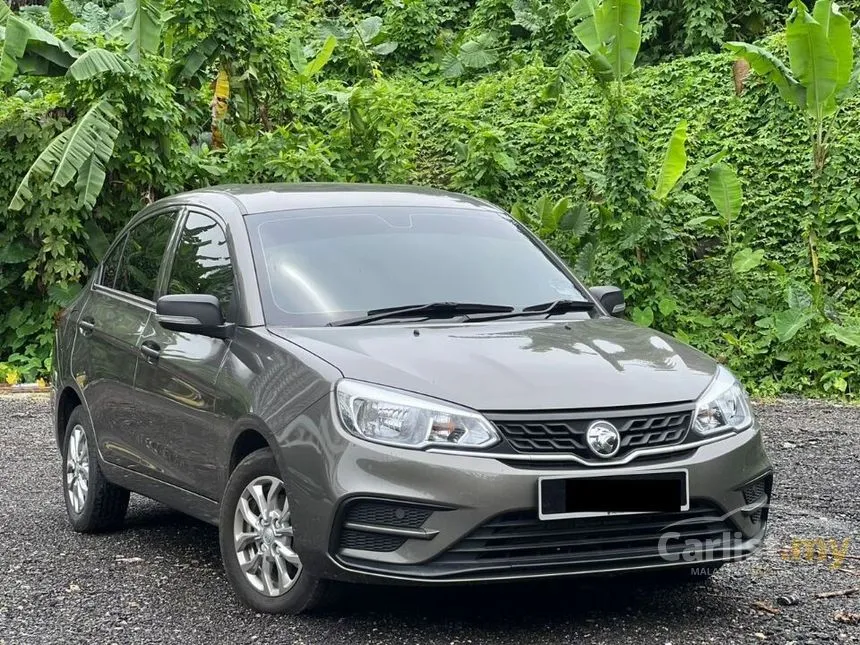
{"points": [[150, 350], [86, 325]]}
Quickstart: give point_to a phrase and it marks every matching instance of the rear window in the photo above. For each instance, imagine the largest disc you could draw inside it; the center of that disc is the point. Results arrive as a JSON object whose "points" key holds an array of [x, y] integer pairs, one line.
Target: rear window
{"points": [[322, 265], [143, 253]]}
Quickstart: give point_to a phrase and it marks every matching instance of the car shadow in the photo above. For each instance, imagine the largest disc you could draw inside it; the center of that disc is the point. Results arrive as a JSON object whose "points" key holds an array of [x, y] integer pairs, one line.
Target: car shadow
{"points": [[519, 603]]}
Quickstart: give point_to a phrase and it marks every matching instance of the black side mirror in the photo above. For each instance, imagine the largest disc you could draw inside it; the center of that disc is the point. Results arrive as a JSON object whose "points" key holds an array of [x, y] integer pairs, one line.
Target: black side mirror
{"points": [[193, 313], [611, 298]]}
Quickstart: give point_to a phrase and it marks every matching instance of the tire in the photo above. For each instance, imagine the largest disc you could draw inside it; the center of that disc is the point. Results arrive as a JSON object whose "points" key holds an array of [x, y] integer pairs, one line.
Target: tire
{"points": [[276, 583], [93, 504]]}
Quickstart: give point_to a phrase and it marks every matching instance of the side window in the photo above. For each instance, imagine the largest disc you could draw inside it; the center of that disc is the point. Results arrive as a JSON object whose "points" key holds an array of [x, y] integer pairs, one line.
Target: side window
{"points": [[202, 262], [110, 265], [144, 250]]}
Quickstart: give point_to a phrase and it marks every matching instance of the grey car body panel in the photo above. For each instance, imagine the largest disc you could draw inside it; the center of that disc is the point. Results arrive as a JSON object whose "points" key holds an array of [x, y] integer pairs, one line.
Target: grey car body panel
{"points": [[518, 364], [168, 430], [264, 388], [103, 365], [178, 391]]}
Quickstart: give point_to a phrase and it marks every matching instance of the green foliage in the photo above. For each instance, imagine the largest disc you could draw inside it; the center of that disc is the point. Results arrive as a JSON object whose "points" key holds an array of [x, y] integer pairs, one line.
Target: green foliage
{"points": [[609, 31], [629, 177], [819, 83], [81, 150], [674, 162], [97, 61], [29, 49], [672, 27], [308, 69], [60, 14], [141, 29], [85, 148], [724, 189], [486, 161]]}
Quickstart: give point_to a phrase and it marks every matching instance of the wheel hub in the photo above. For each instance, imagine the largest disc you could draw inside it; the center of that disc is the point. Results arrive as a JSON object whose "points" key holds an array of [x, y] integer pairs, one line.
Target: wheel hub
{"points": [[77, 468], [263, 537]]}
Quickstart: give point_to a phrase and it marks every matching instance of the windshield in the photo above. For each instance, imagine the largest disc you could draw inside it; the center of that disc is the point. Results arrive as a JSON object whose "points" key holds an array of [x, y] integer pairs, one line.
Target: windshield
{"points": [[324, 265]]}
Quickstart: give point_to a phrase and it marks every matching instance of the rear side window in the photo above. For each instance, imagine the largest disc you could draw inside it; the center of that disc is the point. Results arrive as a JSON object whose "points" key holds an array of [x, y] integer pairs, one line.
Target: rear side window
{"points": [[202, 263], [144, 250], [110, 264]]}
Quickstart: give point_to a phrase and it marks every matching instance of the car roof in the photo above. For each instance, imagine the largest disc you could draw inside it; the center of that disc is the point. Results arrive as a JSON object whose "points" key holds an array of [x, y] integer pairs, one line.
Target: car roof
{"points": [[264, 198]]}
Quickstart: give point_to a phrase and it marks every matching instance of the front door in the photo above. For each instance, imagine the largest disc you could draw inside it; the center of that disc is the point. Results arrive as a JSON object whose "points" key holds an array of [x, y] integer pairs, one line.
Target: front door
{"points": [[176, 373]]}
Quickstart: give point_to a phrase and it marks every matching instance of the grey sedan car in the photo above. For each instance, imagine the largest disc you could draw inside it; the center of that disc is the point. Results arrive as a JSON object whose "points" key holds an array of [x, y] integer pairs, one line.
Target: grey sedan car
{"points": [[392, 384]]}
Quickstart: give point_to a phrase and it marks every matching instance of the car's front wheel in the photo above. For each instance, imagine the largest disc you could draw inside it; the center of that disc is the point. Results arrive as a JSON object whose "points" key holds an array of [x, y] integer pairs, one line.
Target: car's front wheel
{"points": [[256, 536], [92, 502]]}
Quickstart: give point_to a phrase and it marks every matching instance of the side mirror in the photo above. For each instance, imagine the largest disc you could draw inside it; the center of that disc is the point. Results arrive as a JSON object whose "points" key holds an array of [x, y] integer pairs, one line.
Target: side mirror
{"points": [[611, 298], [193, 313]]}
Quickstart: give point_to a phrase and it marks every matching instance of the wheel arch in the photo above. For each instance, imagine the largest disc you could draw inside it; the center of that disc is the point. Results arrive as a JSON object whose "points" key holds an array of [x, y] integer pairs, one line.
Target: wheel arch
{"points": [[67, 400], [249, 435]]}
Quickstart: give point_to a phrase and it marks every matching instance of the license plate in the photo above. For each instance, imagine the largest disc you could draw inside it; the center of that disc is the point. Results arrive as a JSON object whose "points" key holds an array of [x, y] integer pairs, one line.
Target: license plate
{"points": [[600, 494]]}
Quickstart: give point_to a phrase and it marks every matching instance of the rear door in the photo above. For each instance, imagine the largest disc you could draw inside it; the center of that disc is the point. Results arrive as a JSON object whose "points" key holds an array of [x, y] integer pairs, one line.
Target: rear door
{"points": [[175, 385], [109, 328]]}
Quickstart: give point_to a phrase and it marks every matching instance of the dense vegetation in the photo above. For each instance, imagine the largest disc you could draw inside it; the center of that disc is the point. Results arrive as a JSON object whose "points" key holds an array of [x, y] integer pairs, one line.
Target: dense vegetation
{"points": [[509, 100]]}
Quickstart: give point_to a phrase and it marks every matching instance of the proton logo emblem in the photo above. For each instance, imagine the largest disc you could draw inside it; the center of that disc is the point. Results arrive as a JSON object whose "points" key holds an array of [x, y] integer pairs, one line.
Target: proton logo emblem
{"points": [[603, 439]]}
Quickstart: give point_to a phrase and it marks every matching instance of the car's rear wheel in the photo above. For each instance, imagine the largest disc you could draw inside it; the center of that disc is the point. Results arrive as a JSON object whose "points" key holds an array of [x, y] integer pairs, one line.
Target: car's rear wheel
{"points": [[93, 503], [256, 536]]}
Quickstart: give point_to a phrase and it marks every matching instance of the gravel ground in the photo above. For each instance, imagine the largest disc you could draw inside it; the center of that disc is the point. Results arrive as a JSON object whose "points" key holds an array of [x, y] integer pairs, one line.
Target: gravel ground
{"points": [[160, 580]]}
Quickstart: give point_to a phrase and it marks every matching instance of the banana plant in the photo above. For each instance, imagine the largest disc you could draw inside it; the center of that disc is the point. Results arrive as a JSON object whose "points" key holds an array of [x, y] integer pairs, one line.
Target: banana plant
{"points": [[674, 174], [724, 191], [305, 69], [610, 32], [29, 49], [83, 150], [820, 76]]}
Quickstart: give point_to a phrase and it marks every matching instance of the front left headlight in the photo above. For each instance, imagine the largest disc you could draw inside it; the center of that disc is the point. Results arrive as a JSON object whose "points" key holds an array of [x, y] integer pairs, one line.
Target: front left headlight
{"points": [[724, 406], [397, 418]]}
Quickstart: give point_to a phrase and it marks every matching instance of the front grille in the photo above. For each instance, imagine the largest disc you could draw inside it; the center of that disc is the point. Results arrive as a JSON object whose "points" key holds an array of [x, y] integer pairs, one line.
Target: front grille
{"points": [[521, 540], [566, 433], [350, 539], [387, 514]]}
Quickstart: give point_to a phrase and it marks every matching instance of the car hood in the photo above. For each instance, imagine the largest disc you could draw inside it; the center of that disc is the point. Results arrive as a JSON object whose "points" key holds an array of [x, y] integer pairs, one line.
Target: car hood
{"points": [[517, 365]]}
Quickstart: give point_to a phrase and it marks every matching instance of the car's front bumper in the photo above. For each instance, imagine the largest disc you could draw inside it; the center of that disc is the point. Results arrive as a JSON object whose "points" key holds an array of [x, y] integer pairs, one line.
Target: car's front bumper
{"points": [[365, 512]]}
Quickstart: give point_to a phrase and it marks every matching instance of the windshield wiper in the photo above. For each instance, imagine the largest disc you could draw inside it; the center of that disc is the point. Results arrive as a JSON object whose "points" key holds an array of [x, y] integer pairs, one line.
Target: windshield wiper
{"points": [[430, 310], [558, 307], [545, 309]]}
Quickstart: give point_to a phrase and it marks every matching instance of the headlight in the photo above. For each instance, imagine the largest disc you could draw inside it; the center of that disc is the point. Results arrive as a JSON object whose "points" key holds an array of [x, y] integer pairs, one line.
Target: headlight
{"points": [[398, 418], [724, 406]]}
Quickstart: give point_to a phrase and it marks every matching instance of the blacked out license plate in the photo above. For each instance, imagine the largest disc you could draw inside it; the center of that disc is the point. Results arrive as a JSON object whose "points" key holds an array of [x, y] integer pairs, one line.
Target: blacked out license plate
{"points": [[600, 494]]}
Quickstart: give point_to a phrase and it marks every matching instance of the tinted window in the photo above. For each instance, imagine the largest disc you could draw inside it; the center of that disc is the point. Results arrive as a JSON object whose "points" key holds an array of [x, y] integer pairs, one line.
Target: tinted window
{"points": [[202, 263], [110, 264], [144, 250], [325, 264]]}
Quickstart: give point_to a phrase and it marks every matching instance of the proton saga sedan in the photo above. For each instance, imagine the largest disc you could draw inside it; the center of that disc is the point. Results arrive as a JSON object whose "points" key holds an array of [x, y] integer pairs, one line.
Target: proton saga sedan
{"points": [[392, 384]]}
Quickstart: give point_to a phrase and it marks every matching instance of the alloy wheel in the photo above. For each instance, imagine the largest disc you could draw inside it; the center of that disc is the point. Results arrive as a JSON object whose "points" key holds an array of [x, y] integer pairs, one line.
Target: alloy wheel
{"points": [[77, 468], [263, 537]]}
